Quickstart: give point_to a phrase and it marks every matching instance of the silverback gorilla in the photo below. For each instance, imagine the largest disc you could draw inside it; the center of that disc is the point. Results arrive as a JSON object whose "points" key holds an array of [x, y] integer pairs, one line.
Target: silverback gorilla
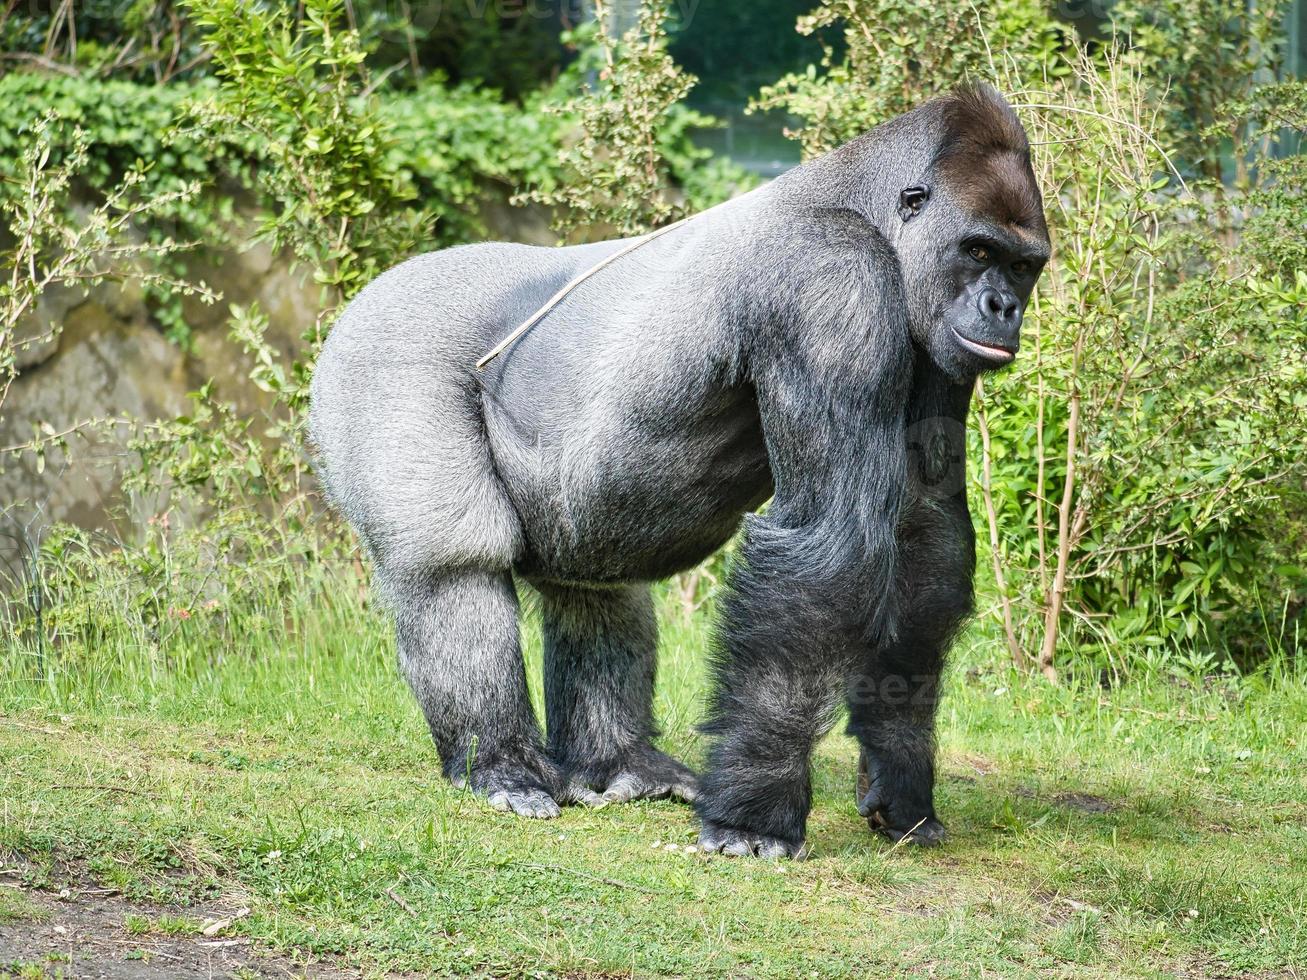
{"points": [[814, 342]]}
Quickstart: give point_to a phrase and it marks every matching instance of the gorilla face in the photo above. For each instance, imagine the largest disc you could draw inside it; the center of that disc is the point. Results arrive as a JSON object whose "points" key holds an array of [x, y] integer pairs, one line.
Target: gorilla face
{"points": [[992, 271], [970, 261]]}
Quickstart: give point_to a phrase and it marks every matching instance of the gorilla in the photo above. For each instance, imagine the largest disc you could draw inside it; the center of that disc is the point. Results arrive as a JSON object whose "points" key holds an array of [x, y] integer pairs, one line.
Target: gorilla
{"points": [[813, 343]]}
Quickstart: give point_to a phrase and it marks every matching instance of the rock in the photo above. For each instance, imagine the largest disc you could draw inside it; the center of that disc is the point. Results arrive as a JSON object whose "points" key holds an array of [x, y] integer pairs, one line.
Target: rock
{"points": [[528, 224], [35, 340], [106, 367]]}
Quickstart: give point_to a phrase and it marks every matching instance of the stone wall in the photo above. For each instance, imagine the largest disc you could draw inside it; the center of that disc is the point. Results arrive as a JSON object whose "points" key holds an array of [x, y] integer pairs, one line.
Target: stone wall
{"points": [[111, 359]]}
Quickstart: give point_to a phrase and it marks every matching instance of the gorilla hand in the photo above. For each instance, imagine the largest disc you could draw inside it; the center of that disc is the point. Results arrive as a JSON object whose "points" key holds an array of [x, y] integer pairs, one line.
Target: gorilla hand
{"points": [[894, 814]]}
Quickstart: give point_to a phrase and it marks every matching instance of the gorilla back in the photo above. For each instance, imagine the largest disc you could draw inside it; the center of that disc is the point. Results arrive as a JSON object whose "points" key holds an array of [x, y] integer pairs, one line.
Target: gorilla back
{"points": [[771, 347], [616, 442]]}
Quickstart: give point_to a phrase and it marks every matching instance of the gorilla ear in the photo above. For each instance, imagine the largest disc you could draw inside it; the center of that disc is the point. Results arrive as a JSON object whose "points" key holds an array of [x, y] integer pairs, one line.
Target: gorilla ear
{"points": [[912, 200]]}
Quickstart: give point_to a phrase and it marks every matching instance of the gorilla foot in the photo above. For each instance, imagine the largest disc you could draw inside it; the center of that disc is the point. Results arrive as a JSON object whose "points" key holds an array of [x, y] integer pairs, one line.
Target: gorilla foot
{"points": [[734, 842], [512, 788], [646, 774]]}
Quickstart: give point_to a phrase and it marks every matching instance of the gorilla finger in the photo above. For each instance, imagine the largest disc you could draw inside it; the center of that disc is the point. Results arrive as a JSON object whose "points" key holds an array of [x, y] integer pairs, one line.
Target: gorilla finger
{"points": [[740, 847], [537, 805], [771, 849], [711, 842], [577, 792], [624, 788]]}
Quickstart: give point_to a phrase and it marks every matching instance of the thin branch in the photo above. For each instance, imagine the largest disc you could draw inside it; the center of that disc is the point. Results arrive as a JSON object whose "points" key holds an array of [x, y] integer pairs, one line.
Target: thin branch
{"points": [[1121, 122], [986, 480]]}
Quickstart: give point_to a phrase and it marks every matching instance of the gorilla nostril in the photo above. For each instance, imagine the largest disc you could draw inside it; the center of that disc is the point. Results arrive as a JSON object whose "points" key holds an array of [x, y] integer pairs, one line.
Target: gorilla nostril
{"points": [[995, 304]]}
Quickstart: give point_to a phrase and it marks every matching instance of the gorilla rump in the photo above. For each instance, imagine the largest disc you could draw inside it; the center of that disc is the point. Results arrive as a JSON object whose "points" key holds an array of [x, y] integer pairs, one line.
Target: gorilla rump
{"points": [[814, 342]]}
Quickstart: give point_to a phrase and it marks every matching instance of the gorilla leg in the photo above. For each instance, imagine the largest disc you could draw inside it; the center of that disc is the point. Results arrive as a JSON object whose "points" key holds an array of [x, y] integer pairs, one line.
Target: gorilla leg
{"points": [[757, 787], [893, 693], [778, 671], [458, 647], [600, 648]]}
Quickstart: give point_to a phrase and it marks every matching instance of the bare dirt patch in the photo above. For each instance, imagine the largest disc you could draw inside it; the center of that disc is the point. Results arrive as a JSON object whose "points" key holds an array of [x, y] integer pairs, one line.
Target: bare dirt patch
{"points": [[76, 928], [1072, 800], [1084, 802]]}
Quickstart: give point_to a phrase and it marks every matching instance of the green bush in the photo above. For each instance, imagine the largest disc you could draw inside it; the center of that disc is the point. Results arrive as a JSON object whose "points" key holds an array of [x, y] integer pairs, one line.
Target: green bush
{"points": [[618, 172], [420, 176], [897, 54], [456, 145], [1199, 56], [1141, 480]]}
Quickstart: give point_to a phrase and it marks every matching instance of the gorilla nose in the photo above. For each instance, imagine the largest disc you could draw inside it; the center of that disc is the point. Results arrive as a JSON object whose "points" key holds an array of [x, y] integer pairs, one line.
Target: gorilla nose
{"points": [[1000, 306]]}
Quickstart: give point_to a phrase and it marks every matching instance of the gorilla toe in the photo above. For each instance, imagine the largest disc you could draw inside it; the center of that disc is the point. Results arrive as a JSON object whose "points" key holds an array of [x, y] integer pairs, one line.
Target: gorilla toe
{"points": [[735, 842], [927, 832], [646, 774]]}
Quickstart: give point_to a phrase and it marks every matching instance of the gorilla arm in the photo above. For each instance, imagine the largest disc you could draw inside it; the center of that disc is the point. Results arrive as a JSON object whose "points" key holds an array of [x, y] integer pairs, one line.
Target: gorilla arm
{"points": [[812, 585]]}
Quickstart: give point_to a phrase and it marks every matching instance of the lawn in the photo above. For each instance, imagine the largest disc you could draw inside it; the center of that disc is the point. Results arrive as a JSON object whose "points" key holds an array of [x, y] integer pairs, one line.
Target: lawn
{"points": [[1153, 828]]}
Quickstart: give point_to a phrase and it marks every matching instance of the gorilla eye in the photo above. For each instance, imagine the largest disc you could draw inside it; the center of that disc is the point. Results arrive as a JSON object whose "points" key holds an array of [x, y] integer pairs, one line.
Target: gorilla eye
{"points": [[979, 253], [1021, 268]]}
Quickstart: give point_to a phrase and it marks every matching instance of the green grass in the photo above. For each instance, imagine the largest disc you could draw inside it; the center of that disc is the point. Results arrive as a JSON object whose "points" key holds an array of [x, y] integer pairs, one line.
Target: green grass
{"points": [[1156, 829], [17, 907]]}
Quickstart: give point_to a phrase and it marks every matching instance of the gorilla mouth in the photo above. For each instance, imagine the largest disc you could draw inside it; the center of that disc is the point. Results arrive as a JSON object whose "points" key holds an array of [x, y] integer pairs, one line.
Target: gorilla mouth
{"points": [[1000, 355]]}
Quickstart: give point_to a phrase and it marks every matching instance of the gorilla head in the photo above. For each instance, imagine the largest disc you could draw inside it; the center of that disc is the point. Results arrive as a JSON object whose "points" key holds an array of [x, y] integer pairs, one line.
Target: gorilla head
{"points": [[973, 239]]}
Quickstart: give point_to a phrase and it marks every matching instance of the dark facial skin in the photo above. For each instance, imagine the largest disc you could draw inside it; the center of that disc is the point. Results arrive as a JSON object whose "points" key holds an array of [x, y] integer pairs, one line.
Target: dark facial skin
{"points": [[993, 270], [969, 278]]}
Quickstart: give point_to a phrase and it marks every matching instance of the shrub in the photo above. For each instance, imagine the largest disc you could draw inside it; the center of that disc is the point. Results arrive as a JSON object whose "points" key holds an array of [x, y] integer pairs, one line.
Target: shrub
{"points": [[1140, 481], [1199, 56], [1141, 469], [896, 54], [633, 134]]}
